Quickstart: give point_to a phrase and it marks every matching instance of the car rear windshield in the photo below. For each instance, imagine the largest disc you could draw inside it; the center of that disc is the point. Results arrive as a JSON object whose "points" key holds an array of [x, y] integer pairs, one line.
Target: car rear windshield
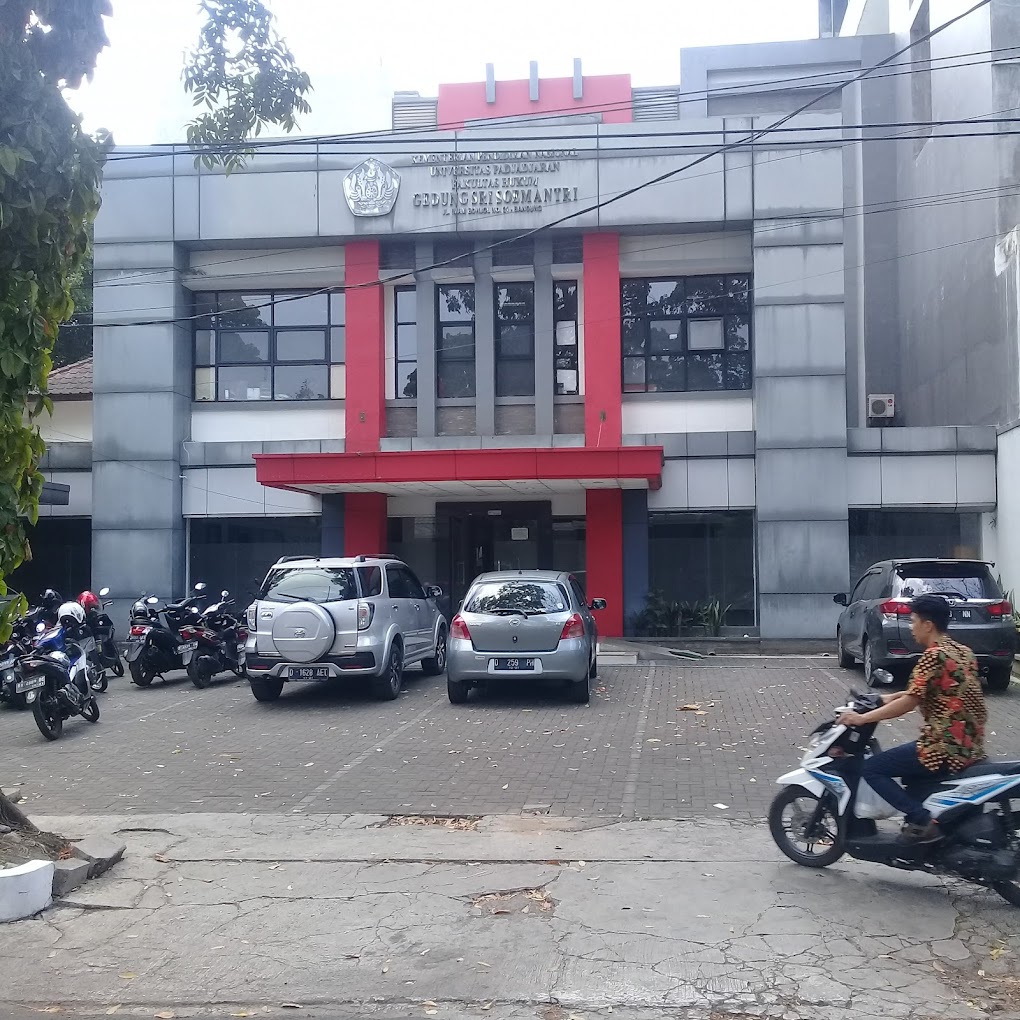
{"points": [[955, 580], [309, 584], [535, 598]]}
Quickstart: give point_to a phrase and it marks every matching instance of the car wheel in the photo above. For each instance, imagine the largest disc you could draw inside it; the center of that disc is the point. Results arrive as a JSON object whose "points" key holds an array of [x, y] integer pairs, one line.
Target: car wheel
{"points": [[580, 692], [387, 687], [266, 690], [593, 668], [846, 660], [998, 678], [436, 666], [869, 664], [457, 691]]}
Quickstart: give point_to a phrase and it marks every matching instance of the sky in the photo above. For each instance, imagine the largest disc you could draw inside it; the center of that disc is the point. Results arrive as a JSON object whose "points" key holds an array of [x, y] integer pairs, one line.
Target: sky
{"points": [[358, 54]]}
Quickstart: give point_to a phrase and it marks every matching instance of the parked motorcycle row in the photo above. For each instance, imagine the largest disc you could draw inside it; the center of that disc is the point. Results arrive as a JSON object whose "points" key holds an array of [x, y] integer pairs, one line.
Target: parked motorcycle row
{"points": [[60, 654]]}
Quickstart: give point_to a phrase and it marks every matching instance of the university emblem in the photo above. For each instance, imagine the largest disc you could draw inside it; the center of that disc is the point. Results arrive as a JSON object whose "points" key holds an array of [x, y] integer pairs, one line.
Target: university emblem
{"points": [[371, 188]]}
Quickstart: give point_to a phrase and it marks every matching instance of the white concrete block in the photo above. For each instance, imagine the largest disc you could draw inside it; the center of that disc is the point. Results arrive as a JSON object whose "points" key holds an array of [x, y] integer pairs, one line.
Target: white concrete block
{"points": [[25, 890]]}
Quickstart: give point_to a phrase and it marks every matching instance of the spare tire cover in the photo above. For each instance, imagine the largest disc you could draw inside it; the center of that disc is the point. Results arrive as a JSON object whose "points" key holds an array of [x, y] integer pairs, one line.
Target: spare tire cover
{"points": [[303, 632]]}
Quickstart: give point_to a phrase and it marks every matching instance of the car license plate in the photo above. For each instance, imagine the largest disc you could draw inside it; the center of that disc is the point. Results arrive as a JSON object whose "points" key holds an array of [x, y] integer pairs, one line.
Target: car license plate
{"points": [[514, 664], [189, 646], [308, 672], [30, 683], [962, 614]]}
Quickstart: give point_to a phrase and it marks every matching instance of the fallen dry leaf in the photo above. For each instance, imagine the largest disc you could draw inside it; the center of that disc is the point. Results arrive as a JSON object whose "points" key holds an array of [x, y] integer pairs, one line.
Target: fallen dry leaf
{"points": [[507, 787], [167, 1014], [127, 975], [431, 1012], [998, 951], [113, 1009], [501, 911], [488, 1005], [242, 1012], [291, 1005], [161, 858], [482, 963], [690, 708]]}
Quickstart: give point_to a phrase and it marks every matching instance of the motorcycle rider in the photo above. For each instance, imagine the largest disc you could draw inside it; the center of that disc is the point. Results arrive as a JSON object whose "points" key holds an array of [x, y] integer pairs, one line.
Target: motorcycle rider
{"points": [[946, 687]]}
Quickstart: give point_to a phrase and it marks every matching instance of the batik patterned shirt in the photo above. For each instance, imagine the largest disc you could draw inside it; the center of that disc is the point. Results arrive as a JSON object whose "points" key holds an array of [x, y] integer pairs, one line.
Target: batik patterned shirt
{"points": [[946, 682]]}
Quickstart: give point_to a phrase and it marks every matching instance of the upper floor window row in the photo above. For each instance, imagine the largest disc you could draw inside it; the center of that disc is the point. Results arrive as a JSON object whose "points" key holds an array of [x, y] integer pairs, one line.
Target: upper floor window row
{"points": [[686, 334], [274, 345]]}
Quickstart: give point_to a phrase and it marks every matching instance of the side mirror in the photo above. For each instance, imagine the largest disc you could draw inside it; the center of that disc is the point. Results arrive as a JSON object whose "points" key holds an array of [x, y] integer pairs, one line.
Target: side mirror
{"points": [[152, 600], [103, 592], [839, 599], [598, 604], [434, 591], [40, 628], [881, 676], [200, 586], [224, 594]]}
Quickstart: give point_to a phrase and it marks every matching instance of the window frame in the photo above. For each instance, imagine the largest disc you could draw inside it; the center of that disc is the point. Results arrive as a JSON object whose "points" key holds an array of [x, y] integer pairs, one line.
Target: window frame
{"points": [[499, 357], [567, 357], [399, 361], [209, 321], [641, 326], [443, 357]]}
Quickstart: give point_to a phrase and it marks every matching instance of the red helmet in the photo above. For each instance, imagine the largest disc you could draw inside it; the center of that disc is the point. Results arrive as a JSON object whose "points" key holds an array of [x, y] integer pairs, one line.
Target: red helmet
{"points": [[88, 601]]}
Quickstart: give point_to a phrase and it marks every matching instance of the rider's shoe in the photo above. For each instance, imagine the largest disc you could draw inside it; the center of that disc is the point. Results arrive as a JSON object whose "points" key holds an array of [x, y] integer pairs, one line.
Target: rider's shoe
{"points": [[929, 832]]}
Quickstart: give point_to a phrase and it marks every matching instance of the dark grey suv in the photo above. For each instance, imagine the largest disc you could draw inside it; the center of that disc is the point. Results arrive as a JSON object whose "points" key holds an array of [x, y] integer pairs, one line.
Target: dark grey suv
{"points": [[875, 625]]}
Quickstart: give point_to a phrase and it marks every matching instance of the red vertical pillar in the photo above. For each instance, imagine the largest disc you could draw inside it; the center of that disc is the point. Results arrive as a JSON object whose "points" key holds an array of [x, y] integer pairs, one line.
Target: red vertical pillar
{"points": [[366, 349], [365, 405], [604, 543], [603, 406], [364, 523]]}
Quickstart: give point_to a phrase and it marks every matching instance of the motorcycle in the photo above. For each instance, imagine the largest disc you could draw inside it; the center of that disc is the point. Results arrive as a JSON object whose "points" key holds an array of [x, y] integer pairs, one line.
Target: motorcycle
{"points": [[54, 674], [154, 645], [825, 810], [220, 643], [99, 623], [23, 638]]}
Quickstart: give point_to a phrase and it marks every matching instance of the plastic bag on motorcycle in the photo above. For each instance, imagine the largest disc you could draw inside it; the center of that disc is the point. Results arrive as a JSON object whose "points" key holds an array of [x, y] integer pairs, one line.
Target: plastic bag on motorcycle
{"points": [[870, 805]]}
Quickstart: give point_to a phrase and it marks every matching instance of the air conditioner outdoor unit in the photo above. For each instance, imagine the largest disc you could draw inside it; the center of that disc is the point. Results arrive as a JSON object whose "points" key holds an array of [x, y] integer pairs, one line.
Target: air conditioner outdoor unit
{"points": [[881, 405]]}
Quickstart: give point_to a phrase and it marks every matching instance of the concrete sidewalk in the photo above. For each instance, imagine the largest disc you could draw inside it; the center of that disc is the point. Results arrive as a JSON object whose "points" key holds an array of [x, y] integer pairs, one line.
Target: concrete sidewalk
{"points": [[534, 917]]}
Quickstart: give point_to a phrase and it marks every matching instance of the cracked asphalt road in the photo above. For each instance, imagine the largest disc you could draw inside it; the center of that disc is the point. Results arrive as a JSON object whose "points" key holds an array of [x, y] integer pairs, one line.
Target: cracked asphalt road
{"points": [[631, 753]]}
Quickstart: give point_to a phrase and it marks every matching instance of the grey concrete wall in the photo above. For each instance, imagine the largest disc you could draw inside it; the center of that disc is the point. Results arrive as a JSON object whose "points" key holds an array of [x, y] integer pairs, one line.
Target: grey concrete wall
{"points": [[141, 413]]}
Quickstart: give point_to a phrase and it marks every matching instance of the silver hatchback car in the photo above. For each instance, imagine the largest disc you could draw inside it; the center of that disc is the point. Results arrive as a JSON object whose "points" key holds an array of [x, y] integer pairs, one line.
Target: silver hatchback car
{"points": [[524, 625], [319, 620]]}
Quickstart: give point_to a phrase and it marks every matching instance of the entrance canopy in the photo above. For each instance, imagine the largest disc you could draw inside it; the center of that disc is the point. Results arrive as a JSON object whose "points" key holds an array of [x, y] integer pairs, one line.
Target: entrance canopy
{"points": [[465, 474]]}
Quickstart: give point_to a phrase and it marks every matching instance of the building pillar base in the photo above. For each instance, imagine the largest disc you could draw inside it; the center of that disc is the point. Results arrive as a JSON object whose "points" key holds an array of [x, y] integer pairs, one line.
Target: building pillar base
{"points": [[605, 557], [364, 529]]}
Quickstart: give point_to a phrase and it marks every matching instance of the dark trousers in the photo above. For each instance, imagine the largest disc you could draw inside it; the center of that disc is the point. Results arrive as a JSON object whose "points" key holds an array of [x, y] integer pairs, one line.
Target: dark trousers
{"points": [[882, 771]]}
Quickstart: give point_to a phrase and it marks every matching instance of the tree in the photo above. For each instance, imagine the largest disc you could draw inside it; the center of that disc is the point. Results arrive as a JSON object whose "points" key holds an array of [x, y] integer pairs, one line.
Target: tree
{"points": [[244, 76]]}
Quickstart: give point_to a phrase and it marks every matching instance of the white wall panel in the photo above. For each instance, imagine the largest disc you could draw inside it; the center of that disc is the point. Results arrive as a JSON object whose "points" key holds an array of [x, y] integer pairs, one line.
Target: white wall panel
{"points": [[79, 498], [235, 492], [691, 413], [297, 268], [263, 423], [71, 422]]}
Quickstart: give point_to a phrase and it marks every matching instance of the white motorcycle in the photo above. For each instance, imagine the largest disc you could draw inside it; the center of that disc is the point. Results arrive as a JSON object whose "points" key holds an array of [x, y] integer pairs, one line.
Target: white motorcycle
{"points": [[825, 810]]}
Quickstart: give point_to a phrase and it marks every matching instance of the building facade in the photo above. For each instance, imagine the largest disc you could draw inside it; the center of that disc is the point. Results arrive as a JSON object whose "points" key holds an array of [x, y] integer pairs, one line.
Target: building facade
{"points": [[521, 330]]}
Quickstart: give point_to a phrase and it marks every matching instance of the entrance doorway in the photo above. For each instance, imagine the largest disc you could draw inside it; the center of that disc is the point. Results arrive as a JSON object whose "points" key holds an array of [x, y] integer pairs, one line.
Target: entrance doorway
{"points": [[492, 536]]}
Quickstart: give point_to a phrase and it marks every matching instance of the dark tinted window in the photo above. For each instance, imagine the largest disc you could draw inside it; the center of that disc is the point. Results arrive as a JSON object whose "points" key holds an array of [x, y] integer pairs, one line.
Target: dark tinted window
{"points": [[962, 580], [371, 581], [396, 581], [872, 587], [858, 592], [309, 584], [536, 598], [413, 585]]}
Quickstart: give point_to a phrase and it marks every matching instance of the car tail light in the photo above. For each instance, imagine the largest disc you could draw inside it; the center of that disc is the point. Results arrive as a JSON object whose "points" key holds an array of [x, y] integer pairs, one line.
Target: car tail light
{"points": [[1000, 609], [137, 631], [573, 628], [253, 616], [894, 608], [459, 629], [242, 634], [366, 612], [187, 633]]}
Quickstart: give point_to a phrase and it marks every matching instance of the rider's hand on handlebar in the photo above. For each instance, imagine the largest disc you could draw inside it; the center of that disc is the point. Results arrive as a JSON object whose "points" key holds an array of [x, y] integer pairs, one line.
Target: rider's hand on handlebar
{"points": [[851, 719]]}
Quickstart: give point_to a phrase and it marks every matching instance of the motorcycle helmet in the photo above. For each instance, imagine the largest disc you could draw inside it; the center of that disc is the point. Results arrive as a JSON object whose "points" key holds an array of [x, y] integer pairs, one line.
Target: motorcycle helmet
{"points": [[51, 598], [70, 613], [89, 602]]}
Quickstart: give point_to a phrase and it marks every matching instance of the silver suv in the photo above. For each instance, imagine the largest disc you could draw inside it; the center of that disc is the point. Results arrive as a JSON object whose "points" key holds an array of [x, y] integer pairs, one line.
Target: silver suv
{"points": [[319, 620]]}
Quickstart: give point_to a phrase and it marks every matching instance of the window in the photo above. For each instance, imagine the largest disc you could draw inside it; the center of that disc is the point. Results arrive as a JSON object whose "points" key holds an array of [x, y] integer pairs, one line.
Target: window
{"points": [[686, 334], [269, 346], [514, 253], [533, 598], [455, 341], [371, 581], [304, 584], [877, 535], [565, 338], [515, 339], [403, 584], [567, 250], [406, 342]]}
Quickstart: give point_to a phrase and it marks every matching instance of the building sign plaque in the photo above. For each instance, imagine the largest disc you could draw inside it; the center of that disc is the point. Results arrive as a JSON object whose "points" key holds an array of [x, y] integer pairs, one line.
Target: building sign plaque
{"points": [[371, 188], [496, 183]]}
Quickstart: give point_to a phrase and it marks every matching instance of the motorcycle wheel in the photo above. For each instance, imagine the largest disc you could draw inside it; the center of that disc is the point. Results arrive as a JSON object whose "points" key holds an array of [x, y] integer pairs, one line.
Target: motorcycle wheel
{"points": [[789, 818], [100, 684], [91, 711], [138, 675], [118, 667], [47, 715], [199, 675]]}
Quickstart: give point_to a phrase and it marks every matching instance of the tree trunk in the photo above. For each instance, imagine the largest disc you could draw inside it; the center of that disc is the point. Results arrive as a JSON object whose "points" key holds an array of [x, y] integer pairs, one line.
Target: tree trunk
{"points": [[11, 815]]}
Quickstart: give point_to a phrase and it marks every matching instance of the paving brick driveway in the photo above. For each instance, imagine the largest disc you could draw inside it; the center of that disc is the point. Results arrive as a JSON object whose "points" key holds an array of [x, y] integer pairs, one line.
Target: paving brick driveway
{"points": [[632, 752]]}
